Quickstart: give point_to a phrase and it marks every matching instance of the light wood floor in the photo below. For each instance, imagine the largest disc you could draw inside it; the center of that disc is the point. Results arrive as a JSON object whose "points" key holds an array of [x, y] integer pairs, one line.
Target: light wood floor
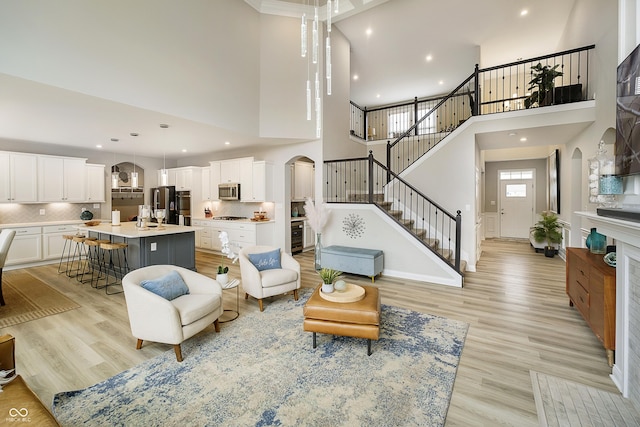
{"points": [[515, 304]]}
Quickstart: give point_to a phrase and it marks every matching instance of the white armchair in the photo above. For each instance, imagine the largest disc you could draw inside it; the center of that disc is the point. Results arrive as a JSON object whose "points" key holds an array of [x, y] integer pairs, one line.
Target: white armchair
{"points": [[266, 283], [154, 318]]}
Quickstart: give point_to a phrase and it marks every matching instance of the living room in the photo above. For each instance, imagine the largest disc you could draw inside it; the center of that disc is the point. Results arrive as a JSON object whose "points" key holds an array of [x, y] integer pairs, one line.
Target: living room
{"points": [[336, 144]]}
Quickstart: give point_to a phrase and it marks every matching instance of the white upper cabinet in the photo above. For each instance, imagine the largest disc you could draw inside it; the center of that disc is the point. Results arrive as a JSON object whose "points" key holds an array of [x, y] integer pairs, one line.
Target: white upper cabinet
{"points": [[184, 179], [262, 189], [59, 179], [95, 183], [18, 177], [303, 177]]}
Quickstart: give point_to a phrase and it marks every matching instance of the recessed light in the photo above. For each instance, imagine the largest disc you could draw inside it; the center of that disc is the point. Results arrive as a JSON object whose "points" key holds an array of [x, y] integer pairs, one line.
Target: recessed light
{"points": [[98, 146], [114, 140], [377, 95], [523, 139], [513, 133], [429, 57], [134, 134], [369, 31], [441, 82], [164, 126], [184, 150], [227, 143], [355, 77], [524, 12]]}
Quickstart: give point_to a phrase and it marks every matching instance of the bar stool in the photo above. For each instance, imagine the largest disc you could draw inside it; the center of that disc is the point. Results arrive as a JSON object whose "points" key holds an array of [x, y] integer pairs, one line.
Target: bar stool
{"points": [[65, 249], [117, 264], [92, 261], [78, 255]]}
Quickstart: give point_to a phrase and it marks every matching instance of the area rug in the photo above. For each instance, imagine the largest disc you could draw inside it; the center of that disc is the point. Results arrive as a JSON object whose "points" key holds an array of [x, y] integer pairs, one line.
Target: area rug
{"points": [[28, 298], [561, 402], [261, 370]]}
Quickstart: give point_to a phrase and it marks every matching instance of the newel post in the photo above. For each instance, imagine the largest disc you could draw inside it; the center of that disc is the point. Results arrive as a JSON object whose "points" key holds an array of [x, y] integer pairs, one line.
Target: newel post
{"points": [[458, 238], [476, 88]]}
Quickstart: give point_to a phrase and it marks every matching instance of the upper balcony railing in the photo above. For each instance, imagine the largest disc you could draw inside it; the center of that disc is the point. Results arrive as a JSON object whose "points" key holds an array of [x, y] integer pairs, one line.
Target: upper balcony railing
{"points": [[489, 90]]}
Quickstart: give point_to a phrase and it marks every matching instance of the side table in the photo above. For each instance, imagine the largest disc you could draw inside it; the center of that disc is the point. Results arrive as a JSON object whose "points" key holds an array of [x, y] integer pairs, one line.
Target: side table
{"points": [[235, 283]]}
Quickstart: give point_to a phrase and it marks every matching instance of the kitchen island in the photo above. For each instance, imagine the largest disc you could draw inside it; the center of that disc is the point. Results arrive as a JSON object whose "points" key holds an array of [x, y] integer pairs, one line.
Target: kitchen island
{"points": [[171, 244]]}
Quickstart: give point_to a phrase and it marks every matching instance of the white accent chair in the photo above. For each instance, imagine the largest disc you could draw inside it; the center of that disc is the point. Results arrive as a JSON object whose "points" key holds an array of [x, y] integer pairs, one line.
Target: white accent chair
{"points": [[267, 283], [154, 318], [6, 237]]}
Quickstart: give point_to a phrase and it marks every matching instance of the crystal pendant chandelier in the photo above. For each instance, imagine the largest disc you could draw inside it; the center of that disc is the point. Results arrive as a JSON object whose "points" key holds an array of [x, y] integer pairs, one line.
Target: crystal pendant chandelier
{"points": [[331, 8]]}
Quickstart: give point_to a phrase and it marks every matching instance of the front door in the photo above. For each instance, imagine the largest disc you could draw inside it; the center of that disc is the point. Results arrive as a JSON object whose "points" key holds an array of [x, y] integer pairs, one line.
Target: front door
{"points": [[516, 208]]}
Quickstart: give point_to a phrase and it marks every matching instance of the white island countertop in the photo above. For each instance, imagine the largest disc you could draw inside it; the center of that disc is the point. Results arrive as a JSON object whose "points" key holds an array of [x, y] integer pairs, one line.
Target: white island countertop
{"points": [[130, 231]]}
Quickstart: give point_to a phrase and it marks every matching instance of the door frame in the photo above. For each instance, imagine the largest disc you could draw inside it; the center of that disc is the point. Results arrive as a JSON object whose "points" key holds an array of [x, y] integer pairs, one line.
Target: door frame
{"points": [[534, 194]]}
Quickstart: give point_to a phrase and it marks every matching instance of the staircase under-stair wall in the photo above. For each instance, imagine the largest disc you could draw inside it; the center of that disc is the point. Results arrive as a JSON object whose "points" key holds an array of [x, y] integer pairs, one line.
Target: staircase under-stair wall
{"points": [[368, 226]]}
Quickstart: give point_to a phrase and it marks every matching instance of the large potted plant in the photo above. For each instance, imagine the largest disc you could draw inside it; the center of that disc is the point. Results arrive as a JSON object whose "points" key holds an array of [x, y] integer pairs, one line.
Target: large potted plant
{"points": [[541, 85], [548, 230]]}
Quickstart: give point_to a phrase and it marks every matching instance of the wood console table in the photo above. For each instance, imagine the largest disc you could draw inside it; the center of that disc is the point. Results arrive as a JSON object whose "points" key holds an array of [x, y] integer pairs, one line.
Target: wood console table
{"points": [[591, 286]]}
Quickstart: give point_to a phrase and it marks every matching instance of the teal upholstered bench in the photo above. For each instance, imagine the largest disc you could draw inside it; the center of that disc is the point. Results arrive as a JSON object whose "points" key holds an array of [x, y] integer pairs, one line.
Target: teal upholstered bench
{"points": [[368, 262]]}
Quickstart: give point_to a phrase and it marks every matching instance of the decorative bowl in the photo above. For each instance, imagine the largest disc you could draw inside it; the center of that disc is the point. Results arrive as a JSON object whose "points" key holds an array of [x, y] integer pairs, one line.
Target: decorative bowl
{"points": [[92, 223], [610, 259]]}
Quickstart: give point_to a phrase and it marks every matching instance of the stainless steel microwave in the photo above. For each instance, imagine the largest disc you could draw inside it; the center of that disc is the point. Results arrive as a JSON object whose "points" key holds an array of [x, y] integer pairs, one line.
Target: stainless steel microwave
{"points": [[229, 191]]}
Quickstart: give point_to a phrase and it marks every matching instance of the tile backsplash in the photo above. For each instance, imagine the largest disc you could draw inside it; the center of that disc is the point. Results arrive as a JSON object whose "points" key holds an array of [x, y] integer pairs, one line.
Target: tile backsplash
{"points": [[12, 213]]}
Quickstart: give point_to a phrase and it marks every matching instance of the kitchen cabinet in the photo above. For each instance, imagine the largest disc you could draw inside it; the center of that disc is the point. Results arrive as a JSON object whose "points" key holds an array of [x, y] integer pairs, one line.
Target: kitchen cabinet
{"points": [[206, 184], [240, 171], [303, 178], [242, 234], [95, 183], [591, 287], [262, 177], [309, 239], [215, 180], [184, 179], [26, 246], [58, 179], [52, 240], [18, 177]]}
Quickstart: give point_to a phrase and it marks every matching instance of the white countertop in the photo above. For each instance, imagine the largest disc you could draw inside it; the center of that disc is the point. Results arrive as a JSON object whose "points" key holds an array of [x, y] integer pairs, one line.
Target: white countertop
{"points": [[44, 223], [129, 230], [233, 221]]}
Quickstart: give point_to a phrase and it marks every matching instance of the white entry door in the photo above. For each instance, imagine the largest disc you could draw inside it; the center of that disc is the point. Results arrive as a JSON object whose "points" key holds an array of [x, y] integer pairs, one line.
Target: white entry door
{"points": [[516, 208]]}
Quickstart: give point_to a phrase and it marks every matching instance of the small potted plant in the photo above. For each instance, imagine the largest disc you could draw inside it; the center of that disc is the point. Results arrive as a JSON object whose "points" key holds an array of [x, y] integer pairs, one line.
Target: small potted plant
{"points": [[548, 230], [541, 85], [328, 276]]}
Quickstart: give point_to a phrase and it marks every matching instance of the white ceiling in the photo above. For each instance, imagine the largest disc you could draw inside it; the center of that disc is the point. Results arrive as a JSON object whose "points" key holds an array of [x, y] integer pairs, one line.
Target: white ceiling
{"points": [[68, 106]]}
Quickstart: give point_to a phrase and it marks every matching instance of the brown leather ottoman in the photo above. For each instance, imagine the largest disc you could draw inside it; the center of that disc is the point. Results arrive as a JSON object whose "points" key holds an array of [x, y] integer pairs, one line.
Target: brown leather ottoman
{"points": [[359, 319]]}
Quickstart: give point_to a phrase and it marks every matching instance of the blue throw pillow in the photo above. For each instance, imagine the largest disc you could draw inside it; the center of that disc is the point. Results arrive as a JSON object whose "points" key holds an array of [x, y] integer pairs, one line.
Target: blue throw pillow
{"points": [[168, 287], [266, 260]]}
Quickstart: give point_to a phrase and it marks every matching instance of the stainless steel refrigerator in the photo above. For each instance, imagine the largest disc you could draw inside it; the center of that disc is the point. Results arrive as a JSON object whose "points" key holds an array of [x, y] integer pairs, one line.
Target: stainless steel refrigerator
{"points": [[165, 198]]}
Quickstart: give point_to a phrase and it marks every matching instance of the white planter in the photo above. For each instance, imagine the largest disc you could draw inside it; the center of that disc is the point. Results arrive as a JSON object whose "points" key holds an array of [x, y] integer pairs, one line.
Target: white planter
{"points": [[327, 288], [223, 279]]}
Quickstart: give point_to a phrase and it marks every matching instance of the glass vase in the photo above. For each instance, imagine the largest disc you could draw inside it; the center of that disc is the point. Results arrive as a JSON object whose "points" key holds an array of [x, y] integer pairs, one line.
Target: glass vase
{"points": [[318, 251], [596, 242]]}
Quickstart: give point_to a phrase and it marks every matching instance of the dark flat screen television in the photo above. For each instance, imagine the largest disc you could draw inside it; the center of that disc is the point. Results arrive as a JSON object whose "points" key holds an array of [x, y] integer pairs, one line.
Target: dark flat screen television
{"points": [[627, 146]]}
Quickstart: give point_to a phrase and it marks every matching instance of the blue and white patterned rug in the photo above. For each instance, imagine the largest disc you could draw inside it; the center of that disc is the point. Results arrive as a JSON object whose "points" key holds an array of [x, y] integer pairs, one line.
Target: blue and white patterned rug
{"points": [[261, 370]]}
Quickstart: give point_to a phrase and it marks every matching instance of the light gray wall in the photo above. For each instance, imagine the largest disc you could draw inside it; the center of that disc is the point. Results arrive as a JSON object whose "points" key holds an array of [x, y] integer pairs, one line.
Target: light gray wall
{"points": [[491, 181]]}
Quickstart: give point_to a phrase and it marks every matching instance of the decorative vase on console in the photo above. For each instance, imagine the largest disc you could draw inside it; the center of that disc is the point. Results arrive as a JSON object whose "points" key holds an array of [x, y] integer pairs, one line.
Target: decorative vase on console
{"points": [[318, 251], [596, 242]]}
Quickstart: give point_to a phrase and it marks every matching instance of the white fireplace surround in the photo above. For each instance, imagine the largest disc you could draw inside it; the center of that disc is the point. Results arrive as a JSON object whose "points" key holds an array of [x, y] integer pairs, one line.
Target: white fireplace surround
{"points": [[626, 368]]}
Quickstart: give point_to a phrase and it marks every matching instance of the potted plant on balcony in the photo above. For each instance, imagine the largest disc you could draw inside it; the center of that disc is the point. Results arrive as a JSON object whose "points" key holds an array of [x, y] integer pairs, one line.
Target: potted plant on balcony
{"points": [[548, 230], [541, 85]]}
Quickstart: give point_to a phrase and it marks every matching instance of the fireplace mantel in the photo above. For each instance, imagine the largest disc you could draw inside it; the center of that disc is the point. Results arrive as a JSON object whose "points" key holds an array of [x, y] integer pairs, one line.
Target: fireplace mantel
{"points": [[626, 369]]}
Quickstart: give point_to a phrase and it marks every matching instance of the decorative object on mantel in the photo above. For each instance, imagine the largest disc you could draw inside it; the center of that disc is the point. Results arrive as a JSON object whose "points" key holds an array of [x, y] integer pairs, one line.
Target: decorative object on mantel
{"points": [[604, 185], [328, 276], [548, 230], [317, 217], [222, 277]]}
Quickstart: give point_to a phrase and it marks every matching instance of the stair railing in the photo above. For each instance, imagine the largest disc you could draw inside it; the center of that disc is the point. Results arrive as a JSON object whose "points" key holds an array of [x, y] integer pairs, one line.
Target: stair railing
{"points": [[365, 180]]}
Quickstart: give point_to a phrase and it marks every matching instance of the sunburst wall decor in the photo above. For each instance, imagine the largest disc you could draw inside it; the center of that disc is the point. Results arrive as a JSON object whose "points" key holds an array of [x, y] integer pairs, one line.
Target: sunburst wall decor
{"points": [[353, 226]]}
